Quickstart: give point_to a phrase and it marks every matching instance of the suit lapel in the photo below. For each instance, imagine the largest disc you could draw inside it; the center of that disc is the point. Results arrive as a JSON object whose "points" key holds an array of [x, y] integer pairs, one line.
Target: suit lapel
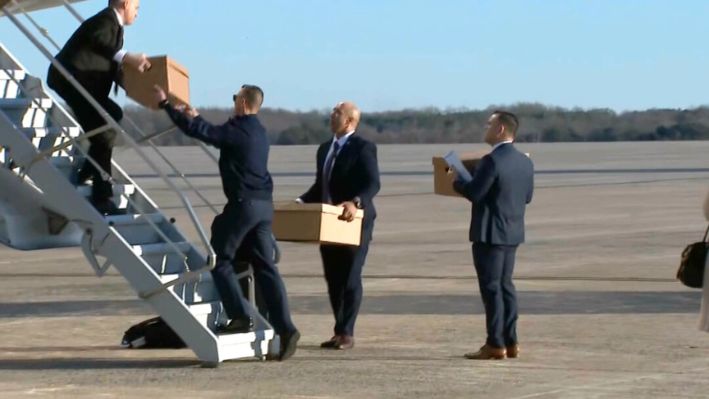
{"points": [[322, 154], [344, 157]]}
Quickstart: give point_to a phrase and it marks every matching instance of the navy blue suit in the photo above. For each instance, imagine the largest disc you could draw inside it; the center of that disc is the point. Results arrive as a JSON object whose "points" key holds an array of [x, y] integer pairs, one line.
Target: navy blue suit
{"points": [[245, 223], [500, 190], [355, 174]]}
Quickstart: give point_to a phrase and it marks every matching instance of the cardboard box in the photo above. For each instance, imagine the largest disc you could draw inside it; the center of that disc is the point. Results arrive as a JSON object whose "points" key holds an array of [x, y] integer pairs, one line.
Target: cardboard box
{"points": [[163, 72], [443, 177], [317, 223]]}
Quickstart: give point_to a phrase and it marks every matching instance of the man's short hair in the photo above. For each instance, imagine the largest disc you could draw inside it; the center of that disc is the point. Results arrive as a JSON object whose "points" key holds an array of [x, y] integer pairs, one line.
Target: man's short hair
{"points": [[115, 3], [508, 120], [253, 95]]}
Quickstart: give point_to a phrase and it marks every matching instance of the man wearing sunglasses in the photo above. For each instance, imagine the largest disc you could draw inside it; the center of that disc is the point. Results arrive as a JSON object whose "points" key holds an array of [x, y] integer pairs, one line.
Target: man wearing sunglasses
{"points": [[245, 223]]}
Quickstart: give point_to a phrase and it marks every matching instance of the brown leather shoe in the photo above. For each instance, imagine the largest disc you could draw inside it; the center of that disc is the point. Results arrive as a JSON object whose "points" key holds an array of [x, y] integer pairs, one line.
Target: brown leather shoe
{"points": [[345, 342], [513, 351], [487, 352], [331, 343]]}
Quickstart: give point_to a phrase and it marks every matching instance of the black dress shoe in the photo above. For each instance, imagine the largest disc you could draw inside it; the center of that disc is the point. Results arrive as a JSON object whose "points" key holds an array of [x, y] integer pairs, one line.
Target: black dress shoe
{"points": [[289, 343], [107, 207], [237, 326], [82, 178]]}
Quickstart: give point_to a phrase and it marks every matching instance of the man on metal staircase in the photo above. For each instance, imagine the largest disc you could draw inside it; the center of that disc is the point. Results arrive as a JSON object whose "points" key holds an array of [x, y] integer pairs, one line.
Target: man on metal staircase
{"points": [[94, 56], [245, 223]]}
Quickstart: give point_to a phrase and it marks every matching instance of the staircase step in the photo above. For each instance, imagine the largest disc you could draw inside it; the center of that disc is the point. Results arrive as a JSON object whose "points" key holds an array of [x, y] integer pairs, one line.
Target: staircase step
{"points": [[26, 112], [135, 219], [50, 132], [160, 248], [119, 193], [235, 339], [25, 103], [194, 292], [9, 74], [213, 315], [64, 164], [136, 229], [162, 257], [8, 86], [210, 314]]}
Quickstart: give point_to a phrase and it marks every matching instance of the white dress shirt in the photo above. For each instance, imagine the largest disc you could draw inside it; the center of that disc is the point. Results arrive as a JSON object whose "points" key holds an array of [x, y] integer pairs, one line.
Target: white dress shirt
{"points": [[341, 143], [494, 147], [121, 53]]}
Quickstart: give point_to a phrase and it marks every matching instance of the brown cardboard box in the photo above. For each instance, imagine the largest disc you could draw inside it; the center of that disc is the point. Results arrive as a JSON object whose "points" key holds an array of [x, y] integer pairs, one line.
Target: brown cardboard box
{"points": [[315, 223], [163, 72], [443, 177]]}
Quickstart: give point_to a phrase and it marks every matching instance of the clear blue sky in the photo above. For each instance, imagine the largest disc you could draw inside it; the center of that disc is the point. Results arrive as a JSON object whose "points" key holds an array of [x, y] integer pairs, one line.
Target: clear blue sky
{"points": [[394, 54]]}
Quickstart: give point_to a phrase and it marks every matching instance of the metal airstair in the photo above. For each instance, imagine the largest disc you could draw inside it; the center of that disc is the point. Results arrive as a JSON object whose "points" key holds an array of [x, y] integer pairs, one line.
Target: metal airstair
{"points": [[41, 146]]}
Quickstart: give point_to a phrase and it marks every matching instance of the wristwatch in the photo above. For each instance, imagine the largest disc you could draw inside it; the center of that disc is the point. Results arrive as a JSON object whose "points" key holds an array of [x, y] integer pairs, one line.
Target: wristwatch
{"points": [[358, 202]]}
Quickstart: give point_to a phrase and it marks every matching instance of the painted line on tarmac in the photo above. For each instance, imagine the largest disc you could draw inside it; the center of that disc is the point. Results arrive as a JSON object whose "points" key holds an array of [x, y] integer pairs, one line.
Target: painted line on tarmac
{"points": [[602, 384]]}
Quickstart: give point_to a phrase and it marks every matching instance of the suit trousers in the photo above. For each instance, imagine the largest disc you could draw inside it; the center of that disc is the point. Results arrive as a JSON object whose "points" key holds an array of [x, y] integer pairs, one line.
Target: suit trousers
{"points": [[245, 227], [494, 265], [101, 145], [343, 266]]}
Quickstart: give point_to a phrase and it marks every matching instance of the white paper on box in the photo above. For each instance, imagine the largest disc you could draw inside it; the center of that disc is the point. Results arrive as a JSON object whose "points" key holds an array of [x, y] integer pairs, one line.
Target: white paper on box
{"points": [[454, 163]]}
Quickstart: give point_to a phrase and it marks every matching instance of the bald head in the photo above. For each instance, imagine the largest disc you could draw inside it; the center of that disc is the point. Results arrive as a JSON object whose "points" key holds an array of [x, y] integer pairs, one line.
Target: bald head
{"points": [[344, 118]]}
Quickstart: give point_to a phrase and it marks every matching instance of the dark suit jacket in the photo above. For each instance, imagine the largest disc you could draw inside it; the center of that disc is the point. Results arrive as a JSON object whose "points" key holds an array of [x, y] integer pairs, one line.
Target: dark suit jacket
{"points": [[354, 174], [500, 190], [88, 55], [243, 155]]}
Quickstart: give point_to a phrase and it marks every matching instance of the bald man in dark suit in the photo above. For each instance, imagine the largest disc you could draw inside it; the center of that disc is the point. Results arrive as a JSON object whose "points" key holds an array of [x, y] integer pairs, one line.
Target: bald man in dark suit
{"points": [[347, 175]]}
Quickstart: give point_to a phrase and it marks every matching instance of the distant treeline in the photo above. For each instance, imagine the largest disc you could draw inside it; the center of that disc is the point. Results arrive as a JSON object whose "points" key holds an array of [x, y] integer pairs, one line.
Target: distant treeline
{"points": [[539, 123]]}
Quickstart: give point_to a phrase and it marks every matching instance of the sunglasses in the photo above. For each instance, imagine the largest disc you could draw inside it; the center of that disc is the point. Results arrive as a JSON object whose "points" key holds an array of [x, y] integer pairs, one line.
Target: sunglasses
{"points": [[235, 96]]}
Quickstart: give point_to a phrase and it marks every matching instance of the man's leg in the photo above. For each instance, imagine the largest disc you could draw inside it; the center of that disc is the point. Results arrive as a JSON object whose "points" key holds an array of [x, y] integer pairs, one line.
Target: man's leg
{"points": [[269, 280], [101, 151], [337, 261], [228, 231], [353, 284], [488, 260], [82, 112], [509, 297], [266, 274]]}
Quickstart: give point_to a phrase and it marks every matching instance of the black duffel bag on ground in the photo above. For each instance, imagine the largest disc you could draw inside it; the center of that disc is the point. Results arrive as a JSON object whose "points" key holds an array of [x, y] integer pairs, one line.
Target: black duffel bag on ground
{"points": [[152, 333]]}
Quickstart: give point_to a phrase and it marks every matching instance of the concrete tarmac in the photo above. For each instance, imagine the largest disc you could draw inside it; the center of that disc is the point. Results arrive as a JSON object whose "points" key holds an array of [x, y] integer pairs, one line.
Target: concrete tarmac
{"points": [[601, 315]]}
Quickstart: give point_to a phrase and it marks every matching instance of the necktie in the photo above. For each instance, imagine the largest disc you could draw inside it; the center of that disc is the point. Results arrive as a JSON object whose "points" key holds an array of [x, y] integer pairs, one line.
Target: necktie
{"points": [[117, 78], [327, 170], [119, 39]]}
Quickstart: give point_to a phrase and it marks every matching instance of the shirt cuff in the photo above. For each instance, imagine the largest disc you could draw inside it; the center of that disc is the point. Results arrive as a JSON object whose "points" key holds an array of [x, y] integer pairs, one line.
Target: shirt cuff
{"points": [[119, 56], [299, 200]]}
